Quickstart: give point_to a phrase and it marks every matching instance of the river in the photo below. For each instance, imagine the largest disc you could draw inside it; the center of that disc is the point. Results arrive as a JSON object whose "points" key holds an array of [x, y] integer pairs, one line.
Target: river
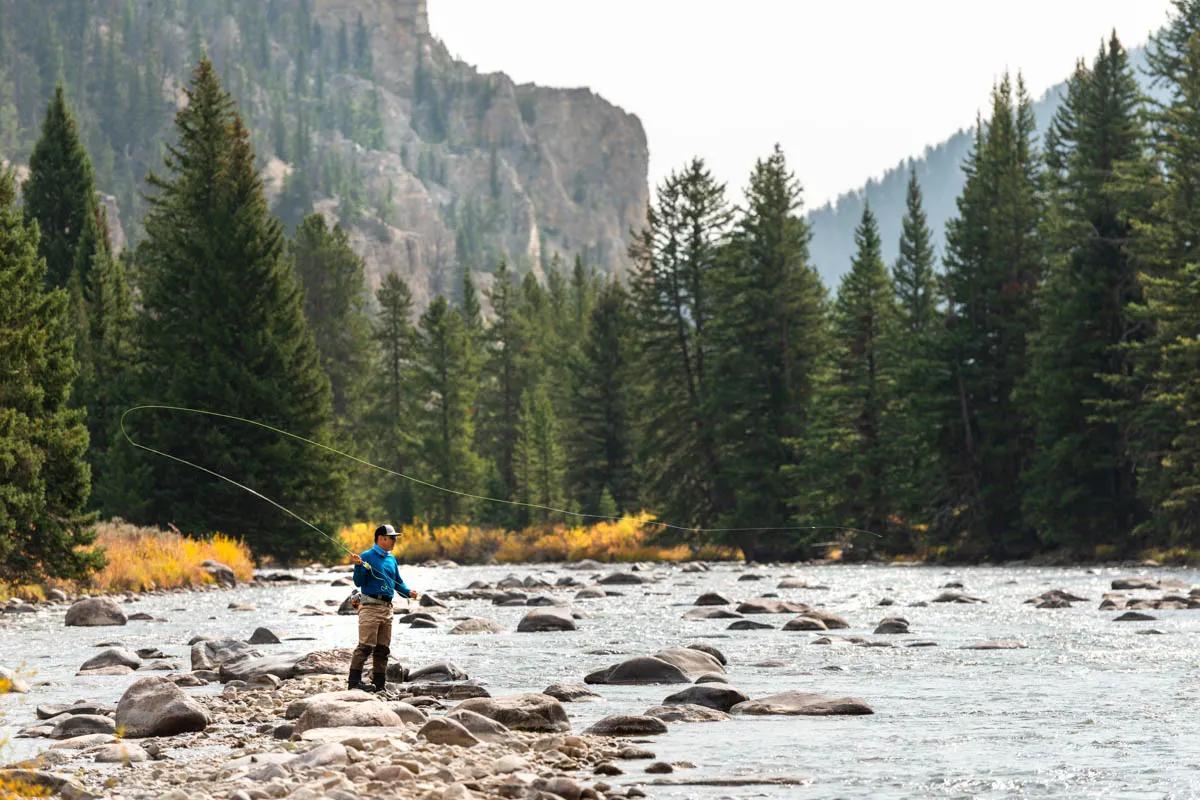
{"points": [[1089, 709]]}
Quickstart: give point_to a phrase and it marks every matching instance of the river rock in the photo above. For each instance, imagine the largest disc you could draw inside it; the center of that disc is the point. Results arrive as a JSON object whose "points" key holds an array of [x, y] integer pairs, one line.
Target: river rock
{"points": [[692, 661], [792, 583], [546, 619], [439, 671], [328, 754], [686, 712], [570, 692], [767, 605], [81, 725], [804, 623], [263, 636], [121, 753], [711, 612], [483, 728], [95, 611], [114, 656], [1134, 583], [1133, 616], [802, 703], [722, 698], [442, 730], [892, 625], [222, 574], [1060, 598], [712, 599], [710, 650], [113, 669], [155, 706], [212, 653], [622, 578], [590, 593], [342, 713], [84, 742], [79, 707], [639, 670], [627, 725], [477, 625], [522, 712], [749, 625], [249, 667]]}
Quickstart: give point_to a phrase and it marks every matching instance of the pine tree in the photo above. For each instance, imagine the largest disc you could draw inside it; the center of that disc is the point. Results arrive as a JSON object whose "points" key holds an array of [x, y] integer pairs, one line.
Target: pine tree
{"points": [[223, 330], [599, 438], [42, 439], [502, 383], [445, 386], [539, 456], [769, 333], [920, 371], [675, 257], [993, 262], [389, 420], [335, 307], [59, 194], [853, 466], [1164, 439], [1080, 488]]}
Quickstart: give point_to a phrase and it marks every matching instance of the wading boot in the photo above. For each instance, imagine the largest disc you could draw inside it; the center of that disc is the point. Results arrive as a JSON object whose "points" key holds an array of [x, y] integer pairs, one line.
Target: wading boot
{"points": [[356, 681], [380, 679]]}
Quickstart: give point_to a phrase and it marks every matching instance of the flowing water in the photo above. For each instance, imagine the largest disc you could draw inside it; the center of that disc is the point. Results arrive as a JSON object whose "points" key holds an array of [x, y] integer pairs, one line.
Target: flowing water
{"points": [[1089, 709]]}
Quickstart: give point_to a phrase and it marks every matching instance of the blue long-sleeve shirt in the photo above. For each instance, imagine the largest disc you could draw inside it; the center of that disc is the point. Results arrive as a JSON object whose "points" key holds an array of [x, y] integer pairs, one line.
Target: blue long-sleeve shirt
{"points": [[383, 578]]}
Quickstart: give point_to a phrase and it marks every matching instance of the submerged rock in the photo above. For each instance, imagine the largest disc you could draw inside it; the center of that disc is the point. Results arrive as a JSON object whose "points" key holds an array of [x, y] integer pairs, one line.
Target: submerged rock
{"points": [[627, 725], [802, 703]]}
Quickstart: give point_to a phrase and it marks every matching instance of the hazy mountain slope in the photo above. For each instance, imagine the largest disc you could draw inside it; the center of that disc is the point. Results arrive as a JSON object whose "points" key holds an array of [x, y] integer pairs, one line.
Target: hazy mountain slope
{"points": [[939, 170]]}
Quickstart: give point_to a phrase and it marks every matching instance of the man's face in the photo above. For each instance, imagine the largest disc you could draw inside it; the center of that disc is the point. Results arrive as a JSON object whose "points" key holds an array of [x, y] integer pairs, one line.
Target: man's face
{"points": [[386, 542]]}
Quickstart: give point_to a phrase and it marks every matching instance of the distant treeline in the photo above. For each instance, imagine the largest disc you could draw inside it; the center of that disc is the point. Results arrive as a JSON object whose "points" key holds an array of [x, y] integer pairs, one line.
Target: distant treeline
{"points": [[1036, 392]]}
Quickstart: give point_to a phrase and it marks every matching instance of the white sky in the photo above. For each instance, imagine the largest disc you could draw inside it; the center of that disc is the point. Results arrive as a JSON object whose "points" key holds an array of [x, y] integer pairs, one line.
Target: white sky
{"points": [[848, 87]]}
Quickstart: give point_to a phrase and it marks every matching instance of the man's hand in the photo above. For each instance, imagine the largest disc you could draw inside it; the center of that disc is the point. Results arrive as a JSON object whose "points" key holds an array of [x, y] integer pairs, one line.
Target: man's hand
{"points": [[413, 594], [356, 558]]}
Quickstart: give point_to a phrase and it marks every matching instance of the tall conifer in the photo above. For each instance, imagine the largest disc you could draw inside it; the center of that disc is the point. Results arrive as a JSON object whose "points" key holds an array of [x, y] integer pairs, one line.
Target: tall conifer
{"points": [[223, 330]]}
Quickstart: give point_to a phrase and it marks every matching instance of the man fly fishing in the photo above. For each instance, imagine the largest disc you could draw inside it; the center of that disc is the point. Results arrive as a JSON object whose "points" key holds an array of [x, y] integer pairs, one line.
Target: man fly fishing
{"points": [[377, 576]]}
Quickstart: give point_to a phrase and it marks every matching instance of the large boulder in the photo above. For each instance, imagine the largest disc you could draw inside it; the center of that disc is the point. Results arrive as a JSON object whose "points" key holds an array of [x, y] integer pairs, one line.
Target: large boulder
{"points": [[546, 619], [712, 651], [157, 707], [250, 667], [693, 662], [639, 670], [831, 621], [802, 703], [522, 712], [212, 653], [441, 730], [483, 728], [627, 725], [711, 695], [342, 713], [95, 611], [892, 625], [111, 657], [477, 625], [805, 623]]}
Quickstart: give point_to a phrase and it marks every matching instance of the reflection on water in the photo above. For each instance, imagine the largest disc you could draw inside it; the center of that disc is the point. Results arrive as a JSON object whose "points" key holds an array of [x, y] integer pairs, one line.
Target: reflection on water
{"points": [[1089, 709]]}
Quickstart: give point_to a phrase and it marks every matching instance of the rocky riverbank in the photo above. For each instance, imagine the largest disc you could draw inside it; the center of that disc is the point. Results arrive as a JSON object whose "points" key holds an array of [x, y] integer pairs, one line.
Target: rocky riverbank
{"points": [[556, 681]]}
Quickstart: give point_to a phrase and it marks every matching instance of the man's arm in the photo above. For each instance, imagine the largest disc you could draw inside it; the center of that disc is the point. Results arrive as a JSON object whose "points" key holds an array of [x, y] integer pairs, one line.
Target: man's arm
{"points": [[361, 570]]}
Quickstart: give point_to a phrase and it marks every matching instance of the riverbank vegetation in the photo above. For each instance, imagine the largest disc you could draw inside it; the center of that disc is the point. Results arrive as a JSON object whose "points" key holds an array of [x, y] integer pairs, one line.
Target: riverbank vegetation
{"points": [[1030, 391], [630, 538]]}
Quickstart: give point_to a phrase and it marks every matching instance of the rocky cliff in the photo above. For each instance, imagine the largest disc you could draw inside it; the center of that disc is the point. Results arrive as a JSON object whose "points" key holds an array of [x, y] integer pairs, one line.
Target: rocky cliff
{"points": [[356, 110]]}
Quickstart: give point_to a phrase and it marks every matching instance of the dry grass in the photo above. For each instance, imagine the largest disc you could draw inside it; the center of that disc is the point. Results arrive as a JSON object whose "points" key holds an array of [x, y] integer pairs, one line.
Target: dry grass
{"points": [[147, 558], [628, 539]]}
